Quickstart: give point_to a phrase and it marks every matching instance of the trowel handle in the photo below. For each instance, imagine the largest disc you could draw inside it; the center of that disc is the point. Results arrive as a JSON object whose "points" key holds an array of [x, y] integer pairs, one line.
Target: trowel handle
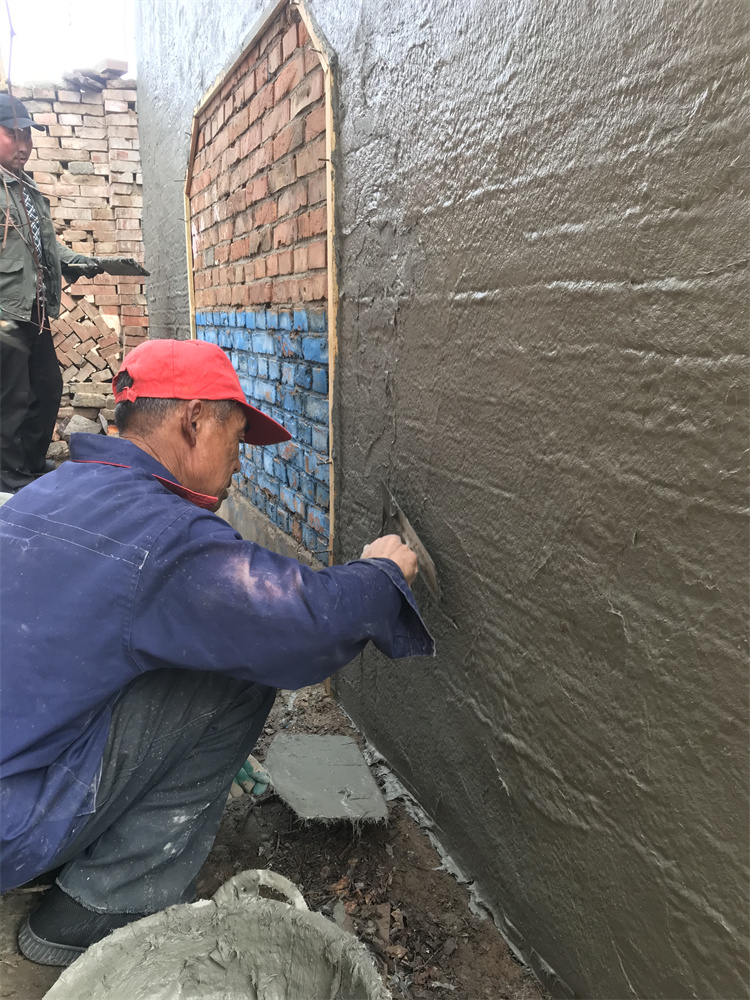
{"points": [[248, 883]]}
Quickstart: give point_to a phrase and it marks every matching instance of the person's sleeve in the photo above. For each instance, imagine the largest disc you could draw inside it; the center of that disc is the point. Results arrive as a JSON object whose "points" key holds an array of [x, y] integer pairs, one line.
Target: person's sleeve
{"points": [[208, 600], [68, 256]]}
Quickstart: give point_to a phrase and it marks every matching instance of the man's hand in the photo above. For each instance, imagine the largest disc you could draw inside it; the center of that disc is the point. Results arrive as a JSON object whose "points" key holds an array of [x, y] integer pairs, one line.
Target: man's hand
{"points": [[87, 269], [391, 547]]}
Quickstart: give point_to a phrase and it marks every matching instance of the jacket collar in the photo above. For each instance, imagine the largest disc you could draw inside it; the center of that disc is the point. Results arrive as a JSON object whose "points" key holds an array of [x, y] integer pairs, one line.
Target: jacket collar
{"points": [[110, 450], [10, 178]]}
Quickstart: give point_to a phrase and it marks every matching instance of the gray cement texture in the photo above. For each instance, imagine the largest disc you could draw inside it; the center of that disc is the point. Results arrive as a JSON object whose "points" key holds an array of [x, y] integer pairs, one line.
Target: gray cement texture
{"points": [[542, 348], [324, 778]]}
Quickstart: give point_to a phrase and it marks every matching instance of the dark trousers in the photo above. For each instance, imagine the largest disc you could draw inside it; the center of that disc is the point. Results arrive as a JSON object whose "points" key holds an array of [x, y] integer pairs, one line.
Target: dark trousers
{"points": [[177, 739], [30, 392]]}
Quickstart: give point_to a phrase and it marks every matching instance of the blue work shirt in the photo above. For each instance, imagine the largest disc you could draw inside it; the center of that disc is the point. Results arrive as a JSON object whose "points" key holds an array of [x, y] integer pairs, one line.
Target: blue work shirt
{"points": [[109, 569]]}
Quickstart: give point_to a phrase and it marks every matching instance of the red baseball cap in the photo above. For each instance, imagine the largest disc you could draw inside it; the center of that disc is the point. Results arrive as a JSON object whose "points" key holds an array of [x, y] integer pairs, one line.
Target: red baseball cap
{"points": [[192, 369]]}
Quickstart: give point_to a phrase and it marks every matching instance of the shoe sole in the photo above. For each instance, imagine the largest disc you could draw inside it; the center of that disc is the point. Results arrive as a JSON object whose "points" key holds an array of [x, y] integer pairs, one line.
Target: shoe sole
{"points": [[43, 952]]}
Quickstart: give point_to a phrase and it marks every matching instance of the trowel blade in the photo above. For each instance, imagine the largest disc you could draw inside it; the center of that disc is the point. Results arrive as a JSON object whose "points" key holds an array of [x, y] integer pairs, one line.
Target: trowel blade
{"points": [[397, 523]]}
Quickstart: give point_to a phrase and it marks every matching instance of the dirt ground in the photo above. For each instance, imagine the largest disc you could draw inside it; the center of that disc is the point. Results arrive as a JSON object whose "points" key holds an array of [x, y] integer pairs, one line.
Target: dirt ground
{"points": [[384, 883]]}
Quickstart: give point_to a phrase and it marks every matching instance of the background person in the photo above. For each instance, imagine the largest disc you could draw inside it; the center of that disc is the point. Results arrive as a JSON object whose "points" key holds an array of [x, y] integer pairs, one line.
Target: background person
{"points": [[32, 262]]}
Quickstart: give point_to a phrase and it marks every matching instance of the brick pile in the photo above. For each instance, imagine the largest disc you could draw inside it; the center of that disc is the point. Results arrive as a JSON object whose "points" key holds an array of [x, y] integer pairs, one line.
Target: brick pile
{"points": [[258, 216], [88, 165]]}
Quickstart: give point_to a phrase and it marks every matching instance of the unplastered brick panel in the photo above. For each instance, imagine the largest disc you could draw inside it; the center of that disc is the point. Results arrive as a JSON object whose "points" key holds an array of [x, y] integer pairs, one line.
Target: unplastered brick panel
{"points": [[88, 164], [258, 217]]}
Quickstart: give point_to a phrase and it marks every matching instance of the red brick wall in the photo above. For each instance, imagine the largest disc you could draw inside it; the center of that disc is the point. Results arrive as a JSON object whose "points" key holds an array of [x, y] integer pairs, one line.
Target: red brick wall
{"points": [[258, 191]]}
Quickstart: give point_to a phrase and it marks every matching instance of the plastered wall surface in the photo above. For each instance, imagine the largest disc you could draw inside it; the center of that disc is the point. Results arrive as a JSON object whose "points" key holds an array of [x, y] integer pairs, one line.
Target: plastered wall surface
{"points": [[543, 343]]}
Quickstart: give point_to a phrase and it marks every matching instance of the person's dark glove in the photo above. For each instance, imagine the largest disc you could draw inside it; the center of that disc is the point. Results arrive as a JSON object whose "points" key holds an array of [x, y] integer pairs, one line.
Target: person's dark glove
{"points": [[86, 269]]}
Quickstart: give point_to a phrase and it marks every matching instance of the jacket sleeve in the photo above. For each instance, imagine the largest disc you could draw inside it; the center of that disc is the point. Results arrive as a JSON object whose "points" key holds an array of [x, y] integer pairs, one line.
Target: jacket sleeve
{"points": [[213, 601], [67, 256]]}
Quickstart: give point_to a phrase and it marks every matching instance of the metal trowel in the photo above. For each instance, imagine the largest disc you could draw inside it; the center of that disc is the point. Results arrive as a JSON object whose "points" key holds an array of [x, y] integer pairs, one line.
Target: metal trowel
{"points": [[395, 522]]}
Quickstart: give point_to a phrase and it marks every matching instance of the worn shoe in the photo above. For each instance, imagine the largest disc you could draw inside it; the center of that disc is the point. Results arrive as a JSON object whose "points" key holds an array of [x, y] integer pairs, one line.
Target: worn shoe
{"points": [[60, 929]]}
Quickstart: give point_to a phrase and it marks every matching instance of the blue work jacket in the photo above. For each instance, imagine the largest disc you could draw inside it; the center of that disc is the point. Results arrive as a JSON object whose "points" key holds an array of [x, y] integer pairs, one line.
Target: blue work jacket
{"points": [[110, 568]]}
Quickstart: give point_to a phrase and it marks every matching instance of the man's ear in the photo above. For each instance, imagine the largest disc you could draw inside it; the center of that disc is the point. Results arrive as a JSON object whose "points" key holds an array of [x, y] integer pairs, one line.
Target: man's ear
{"points": [[193, 415]]}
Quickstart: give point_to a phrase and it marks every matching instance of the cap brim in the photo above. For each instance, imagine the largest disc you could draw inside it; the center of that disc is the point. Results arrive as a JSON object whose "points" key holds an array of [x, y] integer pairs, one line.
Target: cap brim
{"points": [[262, 429], [19, 123]]}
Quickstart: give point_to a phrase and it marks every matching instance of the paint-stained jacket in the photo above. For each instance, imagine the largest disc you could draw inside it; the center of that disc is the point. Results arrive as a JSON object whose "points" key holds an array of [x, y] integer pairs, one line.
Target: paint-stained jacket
{"points": [[17, 265], [107, 571]]}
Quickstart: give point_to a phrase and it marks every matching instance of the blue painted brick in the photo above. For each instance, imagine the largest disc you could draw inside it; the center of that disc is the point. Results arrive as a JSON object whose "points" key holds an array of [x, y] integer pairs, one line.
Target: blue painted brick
{"points": [[287, 374], [249, 320], [225, 338], [210, 335], [315, 349], [316, 322], [271, 510], [267, 484], [303, 376], [232, 319], [263, 367], [318, 520], [240, 319], [274, 369], [247, 384], [323, 473], [282, 519], [291, 402], [320, 380], [311, 463], [260, 319], [252, 364], [263, 343], [300, 319], [320, 439], [279, 470], [309, 538], [322, 496], [292, 477], [272, 319], [224, 319], [289, 346], [272, 449], [307, 486], [239, 339], [199, 320], [304, 432], [216, 319], [293, 501], [268, 463], [316, 408], [285, 321], [242, 364], [287, 451], [267, 392]]}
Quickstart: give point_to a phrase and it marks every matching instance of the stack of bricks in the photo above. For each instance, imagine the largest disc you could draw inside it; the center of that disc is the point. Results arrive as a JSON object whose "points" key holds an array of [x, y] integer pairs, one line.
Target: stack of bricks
{"points": [[88, 164], [258, 216]]}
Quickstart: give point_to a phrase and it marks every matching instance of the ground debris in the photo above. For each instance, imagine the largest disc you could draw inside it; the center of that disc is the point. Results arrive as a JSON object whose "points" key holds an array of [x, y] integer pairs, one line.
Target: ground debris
{"points": [[382, 883]]}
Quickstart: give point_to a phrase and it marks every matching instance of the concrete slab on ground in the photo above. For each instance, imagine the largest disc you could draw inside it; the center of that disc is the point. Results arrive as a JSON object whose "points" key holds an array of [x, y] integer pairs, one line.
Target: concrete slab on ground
{"points": [[324, 778]]}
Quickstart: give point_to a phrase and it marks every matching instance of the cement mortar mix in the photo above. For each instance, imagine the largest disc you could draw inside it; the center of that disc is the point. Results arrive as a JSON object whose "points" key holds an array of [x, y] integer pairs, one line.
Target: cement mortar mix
{"points": [[235, 946]]}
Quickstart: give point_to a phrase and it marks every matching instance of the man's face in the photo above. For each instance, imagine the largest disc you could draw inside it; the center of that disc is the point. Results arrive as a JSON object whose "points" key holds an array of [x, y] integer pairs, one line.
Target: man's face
{"points": [[15, 148], [217, 454]]}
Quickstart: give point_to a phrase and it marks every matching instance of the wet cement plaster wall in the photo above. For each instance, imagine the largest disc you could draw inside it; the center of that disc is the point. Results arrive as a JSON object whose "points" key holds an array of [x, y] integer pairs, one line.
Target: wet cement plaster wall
{"points": [[542, 337]]}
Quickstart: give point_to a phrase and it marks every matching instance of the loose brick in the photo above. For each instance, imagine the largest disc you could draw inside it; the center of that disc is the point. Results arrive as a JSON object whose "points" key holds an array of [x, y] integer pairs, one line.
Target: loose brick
{"points": [[317, 254], [285, 233], [311, 158], [315, 122], [289, 76], [293, 198], [289, 138], [313, 223], [289, 42], [265, 213], [281, 175], [275, 119], [309, 91]]}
